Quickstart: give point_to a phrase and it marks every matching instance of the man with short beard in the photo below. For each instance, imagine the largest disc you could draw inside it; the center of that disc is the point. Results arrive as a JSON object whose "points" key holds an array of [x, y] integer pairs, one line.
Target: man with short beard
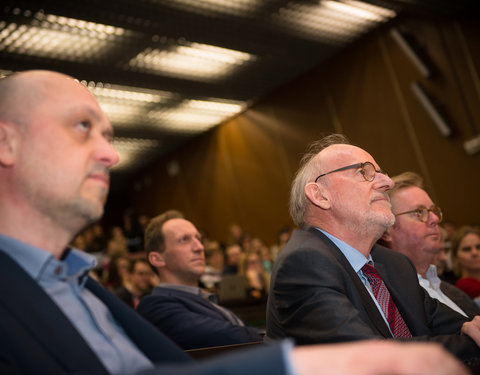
{"points": [[331, 283]]}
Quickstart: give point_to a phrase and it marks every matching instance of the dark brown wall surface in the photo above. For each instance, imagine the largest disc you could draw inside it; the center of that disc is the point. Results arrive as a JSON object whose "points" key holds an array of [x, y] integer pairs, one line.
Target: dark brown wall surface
{"points": [[241, 171]]}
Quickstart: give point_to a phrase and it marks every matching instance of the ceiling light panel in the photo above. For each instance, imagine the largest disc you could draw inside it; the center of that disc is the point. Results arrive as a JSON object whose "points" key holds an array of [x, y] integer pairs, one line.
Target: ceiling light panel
{"points": [[194, 116], [236, 7], [194, 61], [333, 22], [125, 106], [131, 150], [58, 37]]}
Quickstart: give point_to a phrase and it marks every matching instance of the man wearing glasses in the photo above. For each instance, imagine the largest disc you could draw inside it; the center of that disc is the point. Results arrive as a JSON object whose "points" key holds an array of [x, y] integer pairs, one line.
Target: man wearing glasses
{"points": [[416, 234], [332, 283]]}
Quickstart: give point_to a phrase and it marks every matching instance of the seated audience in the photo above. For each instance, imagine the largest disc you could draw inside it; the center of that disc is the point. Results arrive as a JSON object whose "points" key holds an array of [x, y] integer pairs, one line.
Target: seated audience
{"points": [[282, 238], [187, 314], [117, 273], [332, 283], [466, 256], [56, 319], [443, 261], [417, 235], [214, 258], [233, 254], [140, 283], [257, 280]]}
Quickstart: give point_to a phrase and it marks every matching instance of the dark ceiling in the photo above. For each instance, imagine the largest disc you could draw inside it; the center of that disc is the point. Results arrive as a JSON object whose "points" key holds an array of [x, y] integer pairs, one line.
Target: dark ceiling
{"points": [[166, 71]]}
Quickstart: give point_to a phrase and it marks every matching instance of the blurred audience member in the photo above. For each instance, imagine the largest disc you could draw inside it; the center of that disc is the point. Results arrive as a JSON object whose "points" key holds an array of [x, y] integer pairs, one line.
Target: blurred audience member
{"points": [[257, 281], [215, 260], [450, 228], [235, 234], [233, 255], [443, 261], [140, 283], [177, 306], [117, 273], [282, 239], [117, 242], [466, 257], [133, 231]]}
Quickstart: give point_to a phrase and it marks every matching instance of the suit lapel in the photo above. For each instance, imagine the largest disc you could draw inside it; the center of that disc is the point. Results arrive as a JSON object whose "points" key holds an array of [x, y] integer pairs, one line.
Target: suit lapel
{"points": [[44, 321], [369, 305]]}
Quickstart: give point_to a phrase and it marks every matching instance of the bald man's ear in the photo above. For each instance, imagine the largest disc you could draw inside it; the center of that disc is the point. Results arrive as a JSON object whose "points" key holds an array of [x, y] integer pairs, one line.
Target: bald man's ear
{"points": [[318, 195], [156, 259], [9, 139]]}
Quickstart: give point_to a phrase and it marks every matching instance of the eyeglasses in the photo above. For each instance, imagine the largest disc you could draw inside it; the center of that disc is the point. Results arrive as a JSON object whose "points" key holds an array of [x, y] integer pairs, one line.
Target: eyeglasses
{"points": [[423, 213], [368, 170]]}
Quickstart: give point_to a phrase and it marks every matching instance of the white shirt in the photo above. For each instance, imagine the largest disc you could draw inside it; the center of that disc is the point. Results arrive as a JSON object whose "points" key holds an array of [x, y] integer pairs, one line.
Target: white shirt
{"points": [[432, 285]]}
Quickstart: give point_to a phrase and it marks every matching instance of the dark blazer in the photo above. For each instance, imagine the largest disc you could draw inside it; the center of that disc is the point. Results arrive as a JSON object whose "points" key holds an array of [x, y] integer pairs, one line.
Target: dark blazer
{"points": [[37, 338], [460, 298], [191, 321], [317, 297]]}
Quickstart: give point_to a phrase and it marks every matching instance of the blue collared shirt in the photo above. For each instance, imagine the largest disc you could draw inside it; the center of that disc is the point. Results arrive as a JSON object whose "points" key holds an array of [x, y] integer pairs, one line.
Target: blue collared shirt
{"points": [[63, 280], [357, 260]]}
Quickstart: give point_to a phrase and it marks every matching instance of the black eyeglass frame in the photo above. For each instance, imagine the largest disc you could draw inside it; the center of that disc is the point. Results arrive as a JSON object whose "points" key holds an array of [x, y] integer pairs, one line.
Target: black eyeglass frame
{"points": [[357, 165], [418, 211]]}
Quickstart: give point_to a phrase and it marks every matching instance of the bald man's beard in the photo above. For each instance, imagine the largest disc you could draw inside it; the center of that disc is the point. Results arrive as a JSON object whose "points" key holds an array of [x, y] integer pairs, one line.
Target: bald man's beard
{"points": [[71, 213]]}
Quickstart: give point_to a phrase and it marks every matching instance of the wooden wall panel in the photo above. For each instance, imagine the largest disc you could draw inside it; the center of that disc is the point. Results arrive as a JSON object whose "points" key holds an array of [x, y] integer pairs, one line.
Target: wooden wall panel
{"points": [[241, 171]]}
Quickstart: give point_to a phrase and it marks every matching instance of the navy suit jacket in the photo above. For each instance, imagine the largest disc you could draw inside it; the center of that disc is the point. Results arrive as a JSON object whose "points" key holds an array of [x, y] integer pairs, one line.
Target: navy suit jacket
{"points": [[192, 321], [37, 338], [317, 297]]}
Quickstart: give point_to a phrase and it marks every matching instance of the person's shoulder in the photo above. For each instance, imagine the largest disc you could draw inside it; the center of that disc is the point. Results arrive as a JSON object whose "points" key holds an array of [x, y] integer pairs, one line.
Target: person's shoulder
{"points": [[381, 252]]}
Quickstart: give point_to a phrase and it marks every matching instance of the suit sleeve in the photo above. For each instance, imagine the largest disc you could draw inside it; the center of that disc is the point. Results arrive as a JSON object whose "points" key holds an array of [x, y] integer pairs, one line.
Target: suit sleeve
{"points": [[192, 329], [268, 359]]}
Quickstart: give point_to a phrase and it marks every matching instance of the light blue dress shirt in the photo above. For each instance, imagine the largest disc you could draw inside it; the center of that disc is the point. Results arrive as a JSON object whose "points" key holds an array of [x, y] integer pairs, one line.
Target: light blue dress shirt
{"points": [[63, 280], [357, 260]]}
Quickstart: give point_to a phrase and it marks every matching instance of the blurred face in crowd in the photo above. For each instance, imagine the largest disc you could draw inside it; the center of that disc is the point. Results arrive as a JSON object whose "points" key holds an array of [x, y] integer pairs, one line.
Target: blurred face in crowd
{"points": [[418, 240], [468, 253], [141, 276], [234, 253], [184, 257]]}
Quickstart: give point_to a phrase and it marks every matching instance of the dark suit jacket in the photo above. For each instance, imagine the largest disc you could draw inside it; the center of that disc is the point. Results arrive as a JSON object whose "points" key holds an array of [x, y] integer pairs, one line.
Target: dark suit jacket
{"points": [[191, 321], [37, 338], [460, 298], [317, 297]]}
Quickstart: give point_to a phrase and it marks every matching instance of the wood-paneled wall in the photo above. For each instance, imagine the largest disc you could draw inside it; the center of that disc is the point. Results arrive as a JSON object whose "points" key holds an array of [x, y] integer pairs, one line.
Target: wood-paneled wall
{"points": [[241, 171]]}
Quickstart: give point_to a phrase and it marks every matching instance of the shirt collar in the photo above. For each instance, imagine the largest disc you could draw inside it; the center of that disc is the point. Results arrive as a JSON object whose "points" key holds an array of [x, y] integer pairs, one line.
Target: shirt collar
{"points": [[39, 263], [431, 277], [356, 259]]}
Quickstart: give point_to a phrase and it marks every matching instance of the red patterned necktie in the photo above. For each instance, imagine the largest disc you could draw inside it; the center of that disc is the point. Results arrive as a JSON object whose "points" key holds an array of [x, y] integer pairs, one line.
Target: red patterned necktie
{"points": [[381, 293]]}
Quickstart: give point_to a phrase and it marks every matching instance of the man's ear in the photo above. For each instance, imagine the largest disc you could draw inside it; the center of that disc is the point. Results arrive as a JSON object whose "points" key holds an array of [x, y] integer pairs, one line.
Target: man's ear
{"points": [[9, 139], [387, 236], [156, 259], [318, 195]]}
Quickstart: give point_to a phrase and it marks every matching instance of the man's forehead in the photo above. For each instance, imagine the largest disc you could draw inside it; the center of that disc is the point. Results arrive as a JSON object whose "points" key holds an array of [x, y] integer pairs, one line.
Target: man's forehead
{"points": [[341, 154], [178, 226], [412, 196]]}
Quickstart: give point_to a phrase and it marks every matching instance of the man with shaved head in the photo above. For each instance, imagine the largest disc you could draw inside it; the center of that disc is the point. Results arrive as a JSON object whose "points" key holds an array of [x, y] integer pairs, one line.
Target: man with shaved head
{"points": [[331, 283], [55, 156]]}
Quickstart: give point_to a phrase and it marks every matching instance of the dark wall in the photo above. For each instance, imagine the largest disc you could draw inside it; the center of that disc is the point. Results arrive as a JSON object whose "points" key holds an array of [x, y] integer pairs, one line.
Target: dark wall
{"points": [[241, 171]]}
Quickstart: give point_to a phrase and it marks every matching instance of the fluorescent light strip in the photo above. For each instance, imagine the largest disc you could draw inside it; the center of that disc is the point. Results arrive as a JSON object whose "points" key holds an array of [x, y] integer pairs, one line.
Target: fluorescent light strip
{"points": [[194, 116], [54, 36], [194, 61], [337, 21], [236, 7]]}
